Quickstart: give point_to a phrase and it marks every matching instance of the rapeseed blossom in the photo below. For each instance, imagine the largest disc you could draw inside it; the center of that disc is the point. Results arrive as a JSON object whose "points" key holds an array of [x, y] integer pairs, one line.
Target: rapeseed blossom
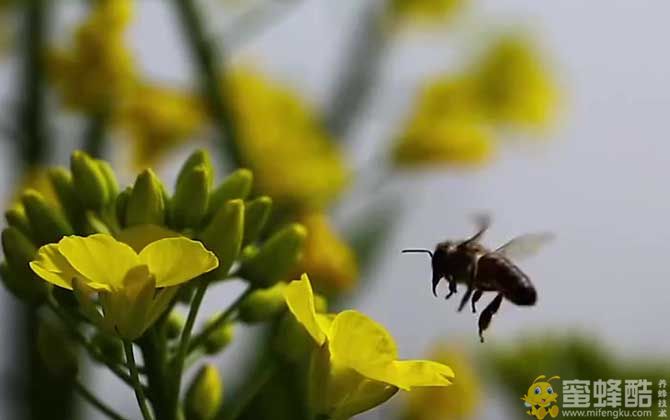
{"points": [[132, 289]]}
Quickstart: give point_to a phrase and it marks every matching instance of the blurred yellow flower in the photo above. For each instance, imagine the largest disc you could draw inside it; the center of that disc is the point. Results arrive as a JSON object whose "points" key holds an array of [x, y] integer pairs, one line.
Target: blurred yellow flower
{"points": [[447, 127], [459, 401], [513, 84], [425, 11], [98, 68], [282, 141], [159, 117], [36, 178], [354, 366], [329, 260], [132, 289]]}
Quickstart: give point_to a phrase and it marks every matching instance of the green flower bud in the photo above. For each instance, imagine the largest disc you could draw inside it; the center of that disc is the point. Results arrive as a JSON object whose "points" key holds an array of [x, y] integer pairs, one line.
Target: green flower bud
{"points": [[16, 273], [63, 186], [263, 304], [57, 351], [237, 185], [24, 286], [276, 258], [109, 347], [199, 158], [16, 217], [191, 197], [219, 338], [224, 234], [256, 216], [204, 395], [94, 224], [48, 223], [174, 325], [122, 205], [110, 178], [89, 181], [146, 203]]}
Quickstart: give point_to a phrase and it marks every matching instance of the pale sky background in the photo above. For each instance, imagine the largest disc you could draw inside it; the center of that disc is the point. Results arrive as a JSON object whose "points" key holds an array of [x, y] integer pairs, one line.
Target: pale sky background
{"points": [[600, 182]]}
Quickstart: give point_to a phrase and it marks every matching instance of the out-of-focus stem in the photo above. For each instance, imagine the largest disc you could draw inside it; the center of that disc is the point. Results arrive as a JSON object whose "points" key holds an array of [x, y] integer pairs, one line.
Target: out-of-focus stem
{"points": [[95, 134], [96, 402], [137, 385], [209, 65], [359, 71]]}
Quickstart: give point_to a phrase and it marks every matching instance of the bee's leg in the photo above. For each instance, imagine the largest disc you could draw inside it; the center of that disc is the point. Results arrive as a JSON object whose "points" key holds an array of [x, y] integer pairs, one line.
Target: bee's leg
{"points": [[436, 280], [465, 299], [487, 315], [475, 298], [452, 287]]}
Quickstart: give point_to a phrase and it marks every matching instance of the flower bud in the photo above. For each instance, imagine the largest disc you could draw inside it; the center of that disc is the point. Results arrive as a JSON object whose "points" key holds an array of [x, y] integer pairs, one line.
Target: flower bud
{"points": [[94, 224], [146, 203], [263, 304], [224, 234], [204, 395], [47, 223], [122, 205], [16, 217], [199, 158], [19, 251], [57, 352], [109, 347], [89, 181], [110, 178], [276, 257], [237, 185], [24, 286], [191, 197], [174, 325], [218, 339], [63, 186], [256, 215]]}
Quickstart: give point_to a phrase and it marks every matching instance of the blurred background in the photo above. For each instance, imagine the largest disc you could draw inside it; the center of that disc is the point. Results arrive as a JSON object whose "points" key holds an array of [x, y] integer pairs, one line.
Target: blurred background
{"points": [[414, 116]]}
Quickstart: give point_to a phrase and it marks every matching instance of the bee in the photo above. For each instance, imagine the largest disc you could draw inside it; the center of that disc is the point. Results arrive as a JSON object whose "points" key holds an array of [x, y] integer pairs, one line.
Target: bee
{"points": [[482, 270]]}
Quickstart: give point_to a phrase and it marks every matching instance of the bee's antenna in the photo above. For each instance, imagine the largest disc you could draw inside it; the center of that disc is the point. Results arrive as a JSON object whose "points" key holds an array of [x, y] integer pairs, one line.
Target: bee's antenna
{"points": [[427, 251]]}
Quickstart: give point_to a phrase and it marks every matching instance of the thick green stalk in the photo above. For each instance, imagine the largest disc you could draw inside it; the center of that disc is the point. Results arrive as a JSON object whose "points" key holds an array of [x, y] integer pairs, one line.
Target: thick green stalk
{"points": [[137, 385], [210, 67], [154, 353]]}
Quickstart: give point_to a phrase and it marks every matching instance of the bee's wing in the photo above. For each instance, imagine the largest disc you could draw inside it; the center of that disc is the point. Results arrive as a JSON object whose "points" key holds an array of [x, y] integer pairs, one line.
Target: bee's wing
{"points": [[525, 245]]}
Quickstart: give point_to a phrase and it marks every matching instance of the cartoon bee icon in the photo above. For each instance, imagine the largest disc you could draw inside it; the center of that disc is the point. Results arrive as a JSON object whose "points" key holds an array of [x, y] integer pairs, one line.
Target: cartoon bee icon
{"points": [[540, 398]]}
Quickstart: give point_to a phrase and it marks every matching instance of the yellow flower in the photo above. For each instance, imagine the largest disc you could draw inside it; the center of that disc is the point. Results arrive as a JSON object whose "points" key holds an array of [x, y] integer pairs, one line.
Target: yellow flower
{"points": [[329, 260], [280, 138], [513, 84], [157, 118], [354, 366], [425, 11], [447, 127], [132, 289], [459, 401], [99, 68]]}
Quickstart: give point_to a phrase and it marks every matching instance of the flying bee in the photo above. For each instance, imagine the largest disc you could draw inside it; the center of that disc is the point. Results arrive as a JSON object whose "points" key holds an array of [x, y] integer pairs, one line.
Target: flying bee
{"points": [[483, 270]]}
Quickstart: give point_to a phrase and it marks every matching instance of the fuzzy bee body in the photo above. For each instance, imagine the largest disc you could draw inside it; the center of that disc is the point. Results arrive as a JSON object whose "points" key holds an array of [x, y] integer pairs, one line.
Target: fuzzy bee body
{"points": [[482, 270]]}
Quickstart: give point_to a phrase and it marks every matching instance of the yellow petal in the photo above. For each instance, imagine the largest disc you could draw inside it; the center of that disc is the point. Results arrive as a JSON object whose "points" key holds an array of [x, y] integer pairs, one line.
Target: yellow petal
{"points": [[100, 258], [360, 343], [406, 374], [176, 260], [52, 266], [300, 300]]}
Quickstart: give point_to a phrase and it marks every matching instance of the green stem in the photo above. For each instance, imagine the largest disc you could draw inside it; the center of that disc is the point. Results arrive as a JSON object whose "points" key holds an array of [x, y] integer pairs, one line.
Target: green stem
{"points": [[94, 137], [81, 339], [96, 402], [182, 350], [211, 85], [137, 385], [219, 321], [155, 361], [261, 377]]}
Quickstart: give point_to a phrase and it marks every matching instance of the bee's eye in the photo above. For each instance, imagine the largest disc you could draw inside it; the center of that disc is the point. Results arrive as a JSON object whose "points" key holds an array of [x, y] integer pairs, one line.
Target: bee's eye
{"points": [[550, 391], [538, 391]]}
